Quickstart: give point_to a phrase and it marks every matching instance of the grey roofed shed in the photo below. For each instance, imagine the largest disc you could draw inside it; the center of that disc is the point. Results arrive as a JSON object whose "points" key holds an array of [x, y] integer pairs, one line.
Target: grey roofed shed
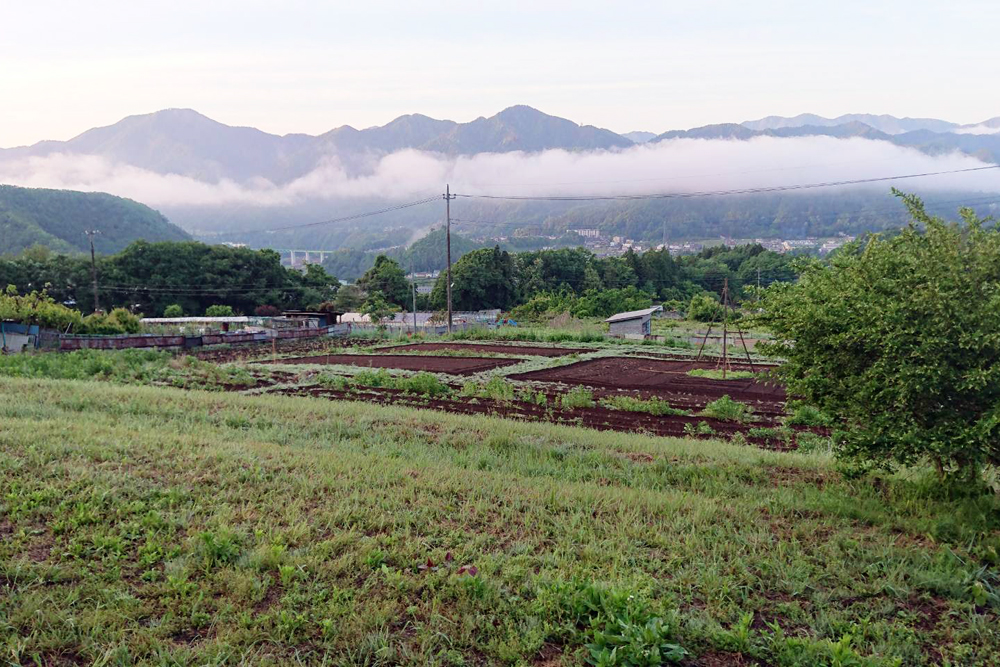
{"points": [[632, 323]]}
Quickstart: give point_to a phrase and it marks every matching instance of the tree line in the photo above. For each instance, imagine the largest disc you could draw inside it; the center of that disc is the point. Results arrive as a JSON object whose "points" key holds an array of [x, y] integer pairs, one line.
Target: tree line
{"points": [[576, 280], [190, 277], [150, 277]]}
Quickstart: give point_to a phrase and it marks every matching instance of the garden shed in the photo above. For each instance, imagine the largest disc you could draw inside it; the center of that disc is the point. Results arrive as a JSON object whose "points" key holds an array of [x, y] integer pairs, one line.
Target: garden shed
{"points": [[633, 322]]}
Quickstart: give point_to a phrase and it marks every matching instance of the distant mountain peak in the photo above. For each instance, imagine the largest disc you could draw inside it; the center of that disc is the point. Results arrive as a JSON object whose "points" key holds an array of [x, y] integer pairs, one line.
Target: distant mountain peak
{"points": [[881, 122]]}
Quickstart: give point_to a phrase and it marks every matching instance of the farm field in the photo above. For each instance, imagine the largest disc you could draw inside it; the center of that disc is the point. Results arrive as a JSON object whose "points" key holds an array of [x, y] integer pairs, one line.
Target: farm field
{"points": [[164, 526], [602, 387], [449, 365], [484, 348]]}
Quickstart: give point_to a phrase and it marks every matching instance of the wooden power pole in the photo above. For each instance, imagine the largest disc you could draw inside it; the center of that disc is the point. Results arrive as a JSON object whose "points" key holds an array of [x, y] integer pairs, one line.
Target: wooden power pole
{"points": [[93, 266], [447, 235], [413, 286]]}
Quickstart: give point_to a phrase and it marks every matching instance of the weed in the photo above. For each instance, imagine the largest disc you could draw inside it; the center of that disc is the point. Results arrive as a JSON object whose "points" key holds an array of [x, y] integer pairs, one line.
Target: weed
{"points": [[654, 406], [577, 397], [702, 428], [218, 548], [424, 383], [528, 395], [616, 626], [807, 415], [727, 409], [497, 389], [716, 374]]}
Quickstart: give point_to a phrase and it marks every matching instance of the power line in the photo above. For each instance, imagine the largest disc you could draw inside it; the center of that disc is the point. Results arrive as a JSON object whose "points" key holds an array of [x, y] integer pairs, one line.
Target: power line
{"points": [[356, 216], [721, 193]]}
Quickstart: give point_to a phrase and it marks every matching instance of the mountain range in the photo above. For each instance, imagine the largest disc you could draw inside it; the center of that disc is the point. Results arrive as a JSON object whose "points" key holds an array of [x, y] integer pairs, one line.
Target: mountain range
{"points": [[184, 142]]}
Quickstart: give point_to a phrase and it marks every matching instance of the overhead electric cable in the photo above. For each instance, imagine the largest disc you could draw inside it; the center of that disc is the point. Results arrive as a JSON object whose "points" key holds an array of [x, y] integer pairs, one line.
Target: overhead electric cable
{"points": [[720, 193], [356, 216]]}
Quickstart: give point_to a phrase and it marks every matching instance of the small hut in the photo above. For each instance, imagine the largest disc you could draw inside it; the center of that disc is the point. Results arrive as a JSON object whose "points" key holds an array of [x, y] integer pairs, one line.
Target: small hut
{"points": [[632, 323]]}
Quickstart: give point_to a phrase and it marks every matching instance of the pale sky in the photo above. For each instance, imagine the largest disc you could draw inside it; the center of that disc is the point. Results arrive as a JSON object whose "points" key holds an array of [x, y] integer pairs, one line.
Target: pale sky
{"points": [[67, 66]]}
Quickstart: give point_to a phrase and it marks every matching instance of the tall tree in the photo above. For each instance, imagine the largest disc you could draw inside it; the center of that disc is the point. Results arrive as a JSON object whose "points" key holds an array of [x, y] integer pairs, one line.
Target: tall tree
{"points": [[387, 277], [482, 279]]}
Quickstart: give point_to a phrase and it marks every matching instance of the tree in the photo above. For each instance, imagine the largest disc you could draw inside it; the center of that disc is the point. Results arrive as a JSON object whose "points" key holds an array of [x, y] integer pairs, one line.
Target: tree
{"points": [[173, 310], [219, 311], [482, 279], [349, 298], [378, 309], [386, 277], [898, 342], [704, 308]]}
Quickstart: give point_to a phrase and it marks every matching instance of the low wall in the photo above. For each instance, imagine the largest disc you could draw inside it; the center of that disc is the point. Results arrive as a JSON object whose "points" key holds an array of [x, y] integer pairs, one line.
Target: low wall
{"points": [[126, 341]]}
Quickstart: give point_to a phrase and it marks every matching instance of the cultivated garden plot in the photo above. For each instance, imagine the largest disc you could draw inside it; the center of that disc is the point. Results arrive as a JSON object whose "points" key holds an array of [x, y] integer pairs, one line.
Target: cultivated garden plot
{"points": [[602, 392], [483, 348], [657, 375], [447, 365]]}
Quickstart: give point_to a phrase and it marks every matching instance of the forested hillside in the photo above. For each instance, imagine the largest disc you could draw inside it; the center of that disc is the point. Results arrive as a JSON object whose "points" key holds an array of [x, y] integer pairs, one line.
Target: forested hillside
{"points": [[58, 218]]}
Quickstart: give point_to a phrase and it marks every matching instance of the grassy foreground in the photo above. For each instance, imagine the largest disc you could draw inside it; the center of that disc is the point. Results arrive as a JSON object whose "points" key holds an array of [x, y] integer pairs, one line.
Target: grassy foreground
{"points": [[170, 527]]}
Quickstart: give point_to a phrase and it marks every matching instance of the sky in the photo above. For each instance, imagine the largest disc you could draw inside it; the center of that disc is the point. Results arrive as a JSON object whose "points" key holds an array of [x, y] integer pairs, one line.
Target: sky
{"points": [[67, 66]]}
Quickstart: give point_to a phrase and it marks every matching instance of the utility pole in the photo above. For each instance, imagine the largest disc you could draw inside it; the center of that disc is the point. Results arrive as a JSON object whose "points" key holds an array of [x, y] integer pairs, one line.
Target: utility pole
{"points": [[413, 285], [725, 326], [93, 266], [447, 235]]}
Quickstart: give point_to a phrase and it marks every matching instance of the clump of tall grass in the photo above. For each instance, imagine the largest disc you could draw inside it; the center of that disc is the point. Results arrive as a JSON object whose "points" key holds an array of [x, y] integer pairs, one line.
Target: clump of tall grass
{"points": [[654, 406], [577, 397], [423, 383], [727, 409]]}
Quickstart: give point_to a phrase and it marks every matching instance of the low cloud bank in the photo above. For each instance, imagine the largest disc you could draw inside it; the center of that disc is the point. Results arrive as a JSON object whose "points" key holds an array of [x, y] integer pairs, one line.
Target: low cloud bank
{"points": [[682, 165]]}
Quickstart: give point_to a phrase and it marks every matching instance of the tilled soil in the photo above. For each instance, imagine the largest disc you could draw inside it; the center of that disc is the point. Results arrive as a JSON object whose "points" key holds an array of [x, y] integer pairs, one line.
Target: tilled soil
{"points": [[263, 349], [447, 365], [656, 377], [489, 348], [597, 417]]}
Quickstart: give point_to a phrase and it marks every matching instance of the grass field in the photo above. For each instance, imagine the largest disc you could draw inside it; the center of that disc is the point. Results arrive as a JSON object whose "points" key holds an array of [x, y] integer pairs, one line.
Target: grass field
{"points": [[172, 527]]}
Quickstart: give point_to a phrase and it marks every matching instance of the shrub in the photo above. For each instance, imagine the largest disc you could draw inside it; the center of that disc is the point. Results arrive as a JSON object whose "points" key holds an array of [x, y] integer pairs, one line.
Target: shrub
{"points": [[219, 311], [118, 321], [896, 341], [577, 397], [727, 409], [173, 310]]}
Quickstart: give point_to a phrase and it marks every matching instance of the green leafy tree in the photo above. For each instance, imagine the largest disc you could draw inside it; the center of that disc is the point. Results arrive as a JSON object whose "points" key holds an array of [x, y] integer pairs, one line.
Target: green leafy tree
{"points": [[898, 342], [378, 309], [386, 277], [173, 310], [482, 279], [349, 299], [605, 303], [704, 308]]}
